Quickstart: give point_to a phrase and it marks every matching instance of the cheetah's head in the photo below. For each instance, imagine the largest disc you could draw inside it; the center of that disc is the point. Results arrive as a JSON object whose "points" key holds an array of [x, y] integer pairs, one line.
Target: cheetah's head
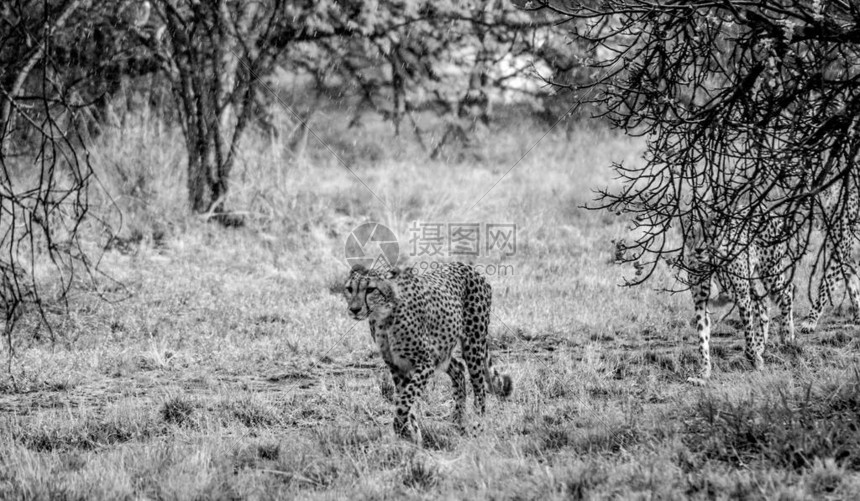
{"points": [[709, 239], [369, 292], [704, 232]]}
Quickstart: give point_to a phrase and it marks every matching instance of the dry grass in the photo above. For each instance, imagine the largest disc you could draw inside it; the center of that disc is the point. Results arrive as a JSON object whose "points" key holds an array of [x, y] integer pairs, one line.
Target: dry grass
{"points": [[223, 365]]}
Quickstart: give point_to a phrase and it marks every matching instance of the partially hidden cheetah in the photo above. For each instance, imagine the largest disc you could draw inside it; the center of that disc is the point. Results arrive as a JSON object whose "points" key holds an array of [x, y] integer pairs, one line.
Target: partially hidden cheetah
{"points": [[736, 280], [840, 266], [416, 321]]}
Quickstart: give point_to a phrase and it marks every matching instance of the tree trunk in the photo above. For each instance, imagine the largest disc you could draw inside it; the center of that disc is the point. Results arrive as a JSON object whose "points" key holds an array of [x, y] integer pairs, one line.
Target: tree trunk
{"points": [[475, 105], [397, 85], [213, 58], [197, 181]]}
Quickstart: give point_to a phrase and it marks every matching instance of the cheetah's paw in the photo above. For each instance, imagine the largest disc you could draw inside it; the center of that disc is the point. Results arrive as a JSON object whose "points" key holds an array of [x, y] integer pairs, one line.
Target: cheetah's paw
{"points": [[807, 327]]}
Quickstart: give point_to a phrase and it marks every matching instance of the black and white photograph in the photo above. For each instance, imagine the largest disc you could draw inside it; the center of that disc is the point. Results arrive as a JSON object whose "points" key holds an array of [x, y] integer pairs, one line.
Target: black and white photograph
{"points": [[417, 249]]}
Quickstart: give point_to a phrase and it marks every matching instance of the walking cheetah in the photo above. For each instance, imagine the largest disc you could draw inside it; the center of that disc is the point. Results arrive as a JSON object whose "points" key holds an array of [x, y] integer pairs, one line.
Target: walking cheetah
{"points": [[738, 279], [417, 321]]}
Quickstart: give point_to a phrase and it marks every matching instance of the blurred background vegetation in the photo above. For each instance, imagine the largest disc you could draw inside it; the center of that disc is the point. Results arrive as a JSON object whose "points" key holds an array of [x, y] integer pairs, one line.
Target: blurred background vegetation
{"points": [[216, 70], [126, 118]]}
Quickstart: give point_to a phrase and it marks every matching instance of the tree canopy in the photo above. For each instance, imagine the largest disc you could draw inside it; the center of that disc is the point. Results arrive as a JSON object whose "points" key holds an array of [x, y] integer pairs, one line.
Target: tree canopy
{"points": [[750, 110], [215, 59], [215, 66]]}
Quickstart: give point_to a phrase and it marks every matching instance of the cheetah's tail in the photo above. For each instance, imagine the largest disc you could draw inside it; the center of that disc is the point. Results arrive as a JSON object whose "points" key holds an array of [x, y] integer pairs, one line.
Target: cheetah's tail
{"points": [[501, 385]]}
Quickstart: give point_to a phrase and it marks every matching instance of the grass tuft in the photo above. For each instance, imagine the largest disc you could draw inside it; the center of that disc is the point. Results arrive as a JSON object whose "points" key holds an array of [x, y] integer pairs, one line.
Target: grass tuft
{"points": [[336, 440], [86, 434], [580, 486], [251, 413], [177, 410], [269, 451], [784, 429], [421, 473]]}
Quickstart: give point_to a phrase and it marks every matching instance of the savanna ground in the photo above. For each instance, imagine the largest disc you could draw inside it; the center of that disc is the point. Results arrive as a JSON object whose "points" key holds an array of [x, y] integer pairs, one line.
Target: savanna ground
{"points": [[223, 363]]}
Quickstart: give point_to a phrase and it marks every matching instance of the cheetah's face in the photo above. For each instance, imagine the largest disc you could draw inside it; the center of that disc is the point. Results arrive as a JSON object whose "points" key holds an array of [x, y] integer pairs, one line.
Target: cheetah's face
{"points": [[707, 240], [367, 294]]}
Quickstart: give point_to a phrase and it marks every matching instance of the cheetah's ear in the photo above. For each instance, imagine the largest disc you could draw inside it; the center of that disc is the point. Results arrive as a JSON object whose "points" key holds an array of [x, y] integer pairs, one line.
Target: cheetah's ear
{"points": [[387, 289], [393, 272]]}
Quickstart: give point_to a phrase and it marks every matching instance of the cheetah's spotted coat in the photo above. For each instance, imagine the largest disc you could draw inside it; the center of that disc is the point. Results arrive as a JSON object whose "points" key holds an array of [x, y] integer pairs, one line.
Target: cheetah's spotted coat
{"points": [[841, 266], [417, 321], [738, 281]]}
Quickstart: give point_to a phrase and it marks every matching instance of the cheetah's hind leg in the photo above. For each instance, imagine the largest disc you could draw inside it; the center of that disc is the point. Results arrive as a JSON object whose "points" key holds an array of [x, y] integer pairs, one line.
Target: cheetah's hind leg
{"points": [[852, 283], [457, 372]]}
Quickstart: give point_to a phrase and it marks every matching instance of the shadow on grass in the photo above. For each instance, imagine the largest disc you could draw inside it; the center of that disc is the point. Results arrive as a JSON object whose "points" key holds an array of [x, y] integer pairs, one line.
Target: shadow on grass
{"points": [[88, 434], [550, 435], [794, 430]]}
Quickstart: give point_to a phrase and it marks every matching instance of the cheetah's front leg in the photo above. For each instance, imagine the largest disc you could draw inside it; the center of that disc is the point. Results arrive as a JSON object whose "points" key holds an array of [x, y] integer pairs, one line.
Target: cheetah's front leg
{"points": [[754, 337], [782, 293], [701, 292], [405, 420], [402, 426], [825, 292], [760, 308]]}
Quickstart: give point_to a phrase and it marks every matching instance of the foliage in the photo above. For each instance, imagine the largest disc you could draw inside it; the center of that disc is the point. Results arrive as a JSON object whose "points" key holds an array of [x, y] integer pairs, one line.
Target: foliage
{"points": [[217, 59], [213, 54], [44, 165], [750, 110], [447, 56]]}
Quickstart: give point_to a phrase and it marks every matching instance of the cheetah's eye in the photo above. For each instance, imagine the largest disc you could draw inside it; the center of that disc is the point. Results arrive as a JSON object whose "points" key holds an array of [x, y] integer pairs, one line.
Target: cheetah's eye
{"points": [[349, 289], [370, 289]]}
